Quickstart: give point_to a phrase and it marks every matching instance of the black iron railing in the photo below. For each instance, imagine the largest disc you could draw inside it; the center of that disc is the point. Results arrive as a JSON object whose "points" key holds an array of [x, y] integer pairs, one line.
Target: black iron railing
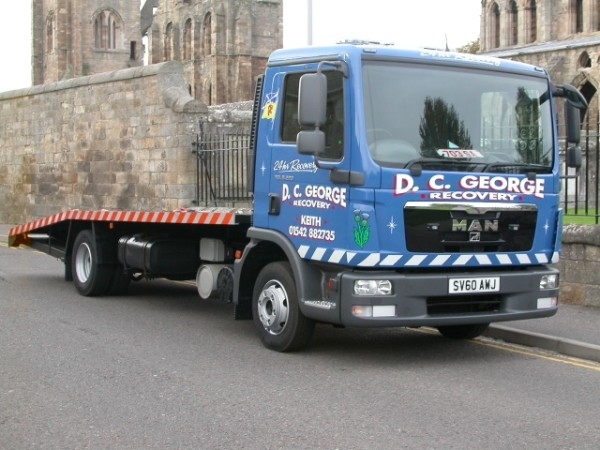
{"points": [[580, 196], [222, 169]]}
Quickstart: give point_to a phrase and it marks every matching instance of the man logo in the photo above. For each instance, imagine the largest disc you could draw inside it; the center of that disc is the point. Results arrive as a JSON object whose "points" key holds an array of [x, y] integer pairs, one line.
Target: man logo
{"points": [[475, 226], [474, 236]]}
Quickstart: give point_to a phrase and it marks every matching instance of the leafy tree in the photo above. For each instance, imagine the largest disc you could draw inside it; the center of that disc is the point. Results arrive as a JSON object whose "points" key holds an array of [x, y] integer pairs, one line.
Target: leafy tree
{"points": [[471, 47]]}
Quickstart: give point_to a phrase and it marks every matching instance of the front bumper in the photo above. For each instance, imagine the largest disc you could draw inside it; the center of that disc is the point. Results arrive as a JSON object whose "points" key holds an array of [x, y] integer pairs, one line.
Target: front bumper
{"points": [[423, 299]]}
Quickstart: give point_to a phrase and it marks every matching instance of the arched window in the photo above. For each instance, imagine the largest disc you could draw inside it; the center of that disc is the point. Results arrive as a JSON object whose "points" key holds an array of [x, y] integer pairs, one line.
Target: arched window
{"points": [[494, 30], [169, 42], [50, 27], [585, 60], [513, 37], [107, 30], [531, 19], [187, 40], [207, 35]]}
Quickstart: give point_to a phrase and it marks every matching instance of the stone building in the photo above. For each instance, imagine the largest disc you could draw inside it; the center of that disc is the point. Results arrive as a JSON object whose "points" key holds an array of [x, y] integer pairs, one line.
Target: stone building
{"points": [[562, 36], [223, 44], [73, 38]]}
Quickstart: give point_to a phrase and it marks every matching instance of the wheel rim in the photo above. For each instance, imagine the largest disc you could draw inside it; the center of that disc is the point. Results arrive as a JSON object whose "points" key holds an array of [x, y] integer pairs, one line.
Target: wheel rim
{"points": [[273, 307], [83, 262]]}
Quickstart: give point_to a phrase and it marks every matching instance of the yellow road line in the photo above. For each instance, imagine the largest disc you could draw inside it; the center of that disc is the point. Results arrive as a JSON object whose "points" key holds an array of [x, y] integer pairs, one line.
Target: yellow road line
{"points": [[537, 353], [513, 348]]}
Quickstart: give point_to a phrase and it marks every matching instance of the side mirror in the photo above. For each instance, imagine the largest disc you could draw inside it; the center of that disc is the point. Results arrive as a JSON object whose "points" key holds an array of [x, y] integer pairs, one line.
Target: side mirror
{"points": [[312, 113], [575, 103], [573, 157], [573, 123], [312, 100], [311, 142]]}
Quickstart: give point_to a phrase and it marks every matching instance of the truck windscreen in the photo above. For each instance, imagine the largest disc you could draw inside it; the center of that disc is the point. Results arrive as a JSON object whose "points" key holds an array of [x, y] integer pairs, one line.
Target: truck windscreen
{"points": [[457, 119]]}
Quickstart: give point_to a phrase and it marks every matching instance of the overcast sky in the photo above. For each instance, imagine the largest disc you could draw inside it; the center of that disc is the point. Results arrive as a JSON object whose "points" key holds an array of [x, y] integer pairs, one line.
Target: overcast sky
{"points": [[428, 24]]}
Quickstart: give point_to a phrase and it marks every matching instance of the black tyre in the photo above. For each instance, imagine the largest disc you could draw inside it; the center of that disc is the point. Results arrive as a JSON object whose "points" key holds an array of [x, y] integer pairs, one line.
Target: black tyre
{"points": [[90, 278], [463, 331], [275, 310]]}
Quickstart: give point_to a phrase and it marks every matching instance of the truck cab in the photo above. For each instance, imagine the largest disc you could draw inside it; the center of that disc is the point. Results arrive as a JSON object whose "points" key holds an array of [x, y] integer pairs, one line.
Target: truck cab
{"points": [[404, 188]]}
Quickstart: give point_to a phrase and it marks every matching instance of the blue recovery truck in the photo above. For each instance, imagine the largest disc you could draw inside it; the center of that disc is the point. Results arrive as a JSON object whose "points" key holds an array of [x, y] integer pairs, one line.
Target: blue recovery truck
{"points": [[391, 188]]}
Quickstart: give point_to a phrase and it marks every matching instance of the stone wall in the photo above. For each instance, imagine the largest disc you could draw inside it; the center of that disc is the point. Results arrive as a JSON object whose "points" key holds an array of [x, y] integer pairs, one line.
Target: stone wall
{"points": [[223, 44], [114, 140], [580, 265]]}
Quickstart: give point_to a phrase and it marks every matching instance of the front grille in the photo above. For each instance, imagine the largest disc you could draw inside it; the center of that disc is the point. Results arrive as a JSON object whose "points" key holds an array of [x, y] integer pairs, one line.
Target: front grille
{"points": [[460, 228], [437, 306]]}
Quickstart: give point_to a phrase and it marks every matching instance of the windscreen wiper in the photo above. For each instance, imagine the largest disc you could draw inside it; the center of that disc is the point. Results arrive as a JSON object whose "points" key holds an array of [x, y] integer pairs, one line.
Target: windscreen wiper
{"points": [[516, 167], [417, 165]]}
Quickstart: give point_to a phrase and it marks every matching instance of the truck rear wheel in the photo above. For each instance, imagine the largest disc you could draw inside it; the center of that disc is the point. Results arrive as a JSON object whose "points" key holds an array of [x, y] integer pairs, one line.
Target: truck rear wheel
{"points": [[276, 313], [463, 331], [90, 277]]}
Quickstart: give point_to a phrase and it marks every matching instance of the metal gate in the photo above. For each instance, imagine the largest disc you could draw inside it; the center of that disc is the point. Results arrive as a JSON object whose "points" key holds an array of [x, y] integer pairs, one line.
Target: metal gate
{"points": [[222, 163]]}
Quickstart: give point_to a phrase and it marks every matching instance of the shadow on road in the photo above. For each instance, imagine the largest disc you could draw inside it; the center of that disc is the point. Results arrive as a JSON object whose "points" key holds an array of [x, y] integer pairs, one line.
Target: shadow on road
{"points": [[178, 304]]}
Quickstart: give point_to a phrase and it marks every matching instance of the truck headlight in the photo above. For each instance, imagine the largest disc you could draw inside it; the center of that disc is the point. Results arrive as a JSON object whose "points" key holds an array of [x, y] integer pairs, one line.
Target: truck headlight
{"points": [[372, 287], [548, 282]]}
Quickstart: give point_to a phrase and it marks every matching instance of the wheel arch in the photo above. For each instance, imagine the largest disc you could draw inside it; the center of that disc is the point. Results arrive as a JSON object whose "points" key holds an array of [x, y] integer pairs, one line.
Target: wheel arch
{"points": [[267, 246], [106, 241]]}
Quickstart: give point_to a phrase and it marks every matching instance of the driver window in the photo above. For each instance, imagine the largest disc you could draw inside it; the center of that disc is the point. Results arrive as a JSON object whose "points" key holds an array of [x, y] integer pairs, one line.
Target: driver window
{"points": [[334, 126]]}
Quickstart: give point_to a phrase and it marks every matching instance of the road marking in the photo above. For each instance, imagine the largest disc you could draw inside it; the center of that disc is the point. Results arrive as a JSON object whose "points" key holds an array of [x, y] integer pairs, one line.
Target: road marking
{"points": [[525, 351], [539, 353]]}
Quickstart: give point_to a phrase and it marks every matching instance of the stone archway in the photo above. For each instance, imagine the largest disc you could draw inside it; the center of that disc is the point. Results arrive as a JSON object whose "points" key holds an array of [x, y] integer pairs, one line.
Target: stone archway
{"points": [[588, 86]]}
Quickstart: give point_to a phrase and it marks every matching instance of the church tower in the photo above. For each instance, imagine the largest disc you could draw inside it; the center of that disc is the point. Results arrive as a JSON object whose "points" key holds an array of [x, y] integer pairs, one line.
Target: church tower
{"points": [[73, 38]]}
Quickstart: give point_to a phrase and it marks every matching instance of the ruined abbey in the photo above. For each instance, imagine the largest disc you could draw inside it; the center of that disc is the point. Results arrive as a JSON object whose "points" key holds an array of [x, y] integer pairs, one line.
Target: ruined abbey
{"points": [[562, 36], [222, 44]]}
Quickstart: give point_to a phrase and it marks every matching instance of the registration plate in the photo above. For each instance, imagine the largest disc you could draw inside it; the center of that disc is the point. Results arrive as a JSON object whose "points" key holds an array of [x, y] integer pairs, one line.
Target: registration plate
{"points": [[473, 285]]}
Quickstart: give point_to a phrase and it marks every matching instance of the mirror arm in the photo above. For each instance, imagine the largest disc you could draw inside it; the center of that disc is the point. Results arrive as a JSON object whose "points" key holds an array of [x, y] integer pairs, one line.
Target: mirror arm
{"points": [[340, 66], [573, 96]]}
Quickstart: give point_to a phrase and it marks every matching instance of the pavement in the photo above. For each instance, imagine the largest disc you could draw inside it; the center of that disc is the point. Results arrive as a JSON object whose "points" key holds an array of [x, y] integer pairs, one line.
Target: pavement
{"points": [[574, 331]]}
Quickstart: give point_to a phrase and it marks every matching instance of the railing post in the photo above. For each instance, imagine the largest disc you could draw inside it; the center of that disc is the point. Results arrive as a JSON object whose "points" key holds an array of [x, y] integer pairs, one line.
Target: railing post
{"points": [[196, 151]]}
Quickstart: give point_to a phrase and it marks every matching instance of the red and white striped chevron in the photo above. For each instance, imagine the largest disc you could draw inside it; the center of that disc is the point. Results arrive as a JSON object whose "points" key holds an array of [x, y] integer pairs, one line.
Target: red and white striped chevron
{"points": [[212, 216]]}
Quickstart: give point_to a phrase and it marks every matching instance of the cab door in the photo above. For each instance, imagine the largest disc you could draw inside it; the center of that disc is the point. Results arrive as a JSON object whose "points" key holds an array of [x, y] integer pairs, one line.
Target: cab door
{"points": [[305, 203]]}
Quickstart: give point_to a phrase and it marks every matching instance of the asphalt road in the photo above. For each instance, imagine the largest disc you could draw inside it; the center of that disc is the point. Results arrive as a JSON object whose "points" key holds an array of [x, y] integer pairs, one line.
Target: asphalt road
{"points": [[162, 369]]}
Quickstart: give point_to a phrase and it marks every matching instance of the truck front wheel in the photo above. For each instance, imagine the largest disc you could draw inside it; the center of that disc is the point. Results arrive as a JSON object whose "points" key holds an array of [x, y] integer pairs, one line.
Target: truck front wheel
{"points": [[463, 331], [90, 277], [276, 313]]}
